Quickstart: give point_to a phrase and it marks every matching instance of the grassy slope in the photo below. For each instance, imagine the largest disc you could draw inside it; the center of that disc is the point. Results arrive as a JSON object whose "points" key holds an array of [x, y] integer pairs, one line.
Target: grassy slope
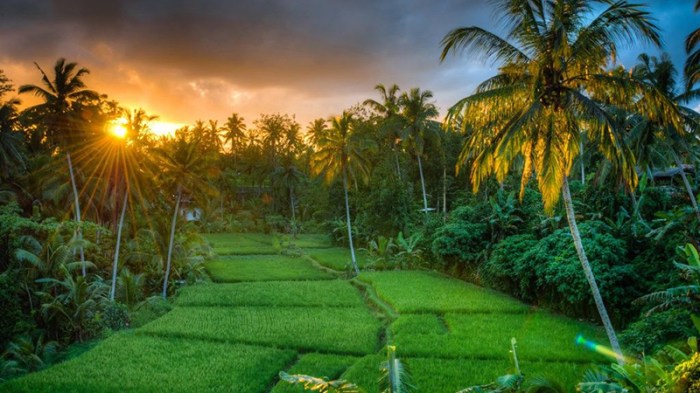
{"points": [[337, 258], [335, 293], [340, 330], [263, 268], [135, 363], [415, 292], [242, 243]]}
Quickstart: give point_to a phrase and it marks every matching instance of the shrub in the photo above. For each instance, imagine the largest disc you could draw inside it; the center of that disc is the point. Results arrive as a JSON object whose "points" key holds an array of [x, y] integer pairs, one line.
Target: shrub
{"points": [[507, 270], [651, 333], [115, 316], [148, 310], [460, 243], [560, 281], [12, 319]]}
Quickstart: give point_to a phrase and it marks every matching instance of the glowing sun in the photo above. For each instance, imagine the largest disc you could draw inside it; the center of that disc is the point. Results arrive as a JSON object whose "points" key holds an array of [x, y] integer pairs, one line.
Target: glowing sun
{"points": [[118, 128]]}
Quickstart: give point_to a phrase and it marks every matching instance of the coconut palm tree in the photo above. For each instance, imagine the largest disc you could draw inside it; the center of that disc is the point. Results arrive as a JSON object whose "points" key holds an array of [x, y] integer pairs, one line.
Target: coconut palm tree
{"points": [[183, 167], [388, 108], [536, 107], [340, 154], [288, 177], [272, 129], [653, 139], [133, 170], [417, 112], [12, 155], [234, 133], [316, 131], [58, 94]]}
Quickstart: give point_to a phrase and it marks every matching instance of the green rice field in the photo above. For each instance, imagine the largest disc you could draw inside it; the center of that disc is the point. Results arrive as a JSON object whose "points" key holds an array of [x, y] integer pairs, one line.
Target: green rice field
{"points": [[265, 312]]}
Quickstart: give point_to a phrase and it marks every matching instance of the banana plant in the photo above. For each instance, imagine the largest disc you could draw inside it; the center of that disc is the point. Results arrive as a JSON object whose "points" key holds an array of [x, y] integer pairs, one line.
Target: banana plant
{"points": [[409, 253], [320, 385], [381, 250], [684, 296]]}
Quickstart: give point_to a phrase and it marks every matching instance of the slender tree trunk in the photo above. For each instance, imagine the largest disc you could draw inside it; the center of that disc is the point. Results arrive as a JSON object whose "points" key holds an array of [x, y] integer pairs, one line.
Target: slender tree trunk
{"points": [[583, 169], [347, 217], [294, 215], [688, 188], [172, 242], [221, 204], [422, 184], [76, 201], [444, 193], [597, 298], [115, 264], [398, 166]]}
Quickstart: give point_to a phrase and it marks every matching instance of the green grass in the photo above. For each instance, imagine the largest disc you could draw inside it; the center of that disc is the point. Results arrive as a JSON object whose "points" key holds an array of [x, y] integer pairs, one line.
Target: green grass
{"points": [[336, 330], [414, 291], [411, 324], [540, 336], [337, 258], [451, 375], [242, 243], [448, 376], [263, 268], [133, 363], [337, 293], [308, 240], [317, 365]]}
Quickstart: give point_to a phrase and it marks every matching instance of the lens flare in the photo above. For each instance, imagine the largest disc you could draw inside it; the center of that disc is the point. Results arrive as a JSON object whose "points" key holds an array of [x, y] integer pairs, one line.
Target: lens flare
{"points": [[601, 349]]}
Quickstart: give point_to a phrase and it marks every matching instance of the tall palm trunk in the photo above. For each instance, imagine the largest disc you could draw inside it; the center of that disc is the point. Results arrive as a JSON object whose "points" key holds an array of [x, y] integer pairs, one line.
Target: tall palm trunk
{"points": [[347, 217], [422, 184], [294, 215], [688, 188], [76, 201], [597, 298], [583, 169], [172, 242], [115, 263], [444, 193], [398, 165]]}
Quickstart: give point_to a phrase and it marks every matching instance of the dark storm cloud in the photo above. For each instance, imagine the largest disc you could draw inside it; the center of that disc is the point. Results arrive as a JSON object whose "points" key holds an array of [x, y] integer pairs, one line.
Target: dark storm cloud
{"points": [[311, 48], [251, 43]]}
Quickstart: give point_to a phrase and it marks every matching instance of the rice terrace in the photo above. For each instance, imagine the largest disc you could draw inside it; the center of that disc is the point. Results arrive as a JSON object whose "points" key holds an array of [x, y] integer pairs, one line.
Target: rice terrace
{"points": [[529, 223]]}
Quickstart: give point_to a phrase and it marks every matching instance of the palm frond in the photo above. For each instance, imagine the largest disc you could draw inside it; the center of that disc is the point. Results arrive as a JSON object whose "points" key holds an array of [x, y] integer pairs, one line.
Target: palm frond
{"points": [[476, 38]]}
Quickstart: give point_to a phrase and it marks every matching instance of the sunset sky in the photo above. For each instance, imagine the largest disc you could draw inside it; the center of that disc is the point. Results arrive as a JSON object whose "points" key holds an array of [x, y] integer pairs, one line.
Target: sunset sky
{"points": [[185, 60]]}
